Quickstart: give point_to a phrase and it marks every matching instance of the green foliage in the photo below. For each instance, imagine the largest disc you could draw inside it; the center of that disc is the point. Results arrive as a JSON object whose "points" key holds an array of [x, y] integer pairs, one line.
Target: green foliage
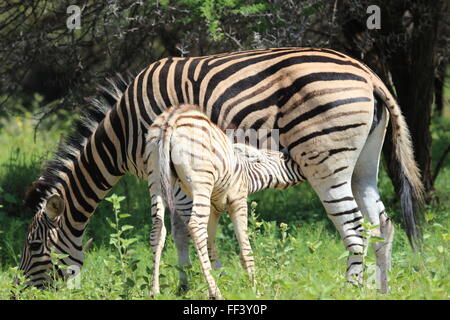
{"points": [[24, 151], [124, 265], [16, 175], [55, 259], [292, 262], [123, 245], [215, 13]]}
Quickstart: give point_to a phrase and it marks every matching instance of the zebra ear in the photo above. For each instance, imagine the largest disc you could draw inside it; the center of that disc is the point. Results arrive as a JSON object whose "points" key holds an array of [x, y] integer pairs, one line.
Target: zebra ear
{"points": [[87, 245], [239, 148], [285, 153], [248, 152], [55, 206]]}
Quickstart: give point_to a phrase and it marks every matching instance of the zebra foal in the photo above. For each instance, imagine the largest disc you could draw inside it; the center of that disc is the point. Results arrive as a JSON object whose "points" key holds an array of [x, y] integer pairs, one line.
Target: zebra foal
{"points": [[184, 146]]}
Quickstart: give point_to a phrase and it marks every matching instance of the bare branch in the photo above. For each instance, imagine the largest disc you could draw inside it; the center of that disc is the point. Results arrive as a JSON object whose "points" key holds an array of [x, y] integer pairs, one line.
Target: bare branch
{"points": [[440, 163]]}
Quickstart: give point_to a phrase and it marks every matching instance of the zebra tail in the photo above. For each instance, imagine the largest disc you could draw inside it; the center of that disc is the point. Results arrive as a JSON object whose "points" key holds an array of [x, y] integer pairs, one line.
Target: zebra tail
{"points": [[165, 169], [411, 187]]}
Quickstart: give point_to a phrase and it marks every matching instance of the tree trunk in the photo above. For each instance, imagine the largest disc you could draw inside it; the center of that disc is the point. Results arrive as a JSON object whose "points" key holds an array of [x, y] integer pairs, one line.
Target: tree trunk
{"points": [[439, 81], [412, 68], [404, 47]]}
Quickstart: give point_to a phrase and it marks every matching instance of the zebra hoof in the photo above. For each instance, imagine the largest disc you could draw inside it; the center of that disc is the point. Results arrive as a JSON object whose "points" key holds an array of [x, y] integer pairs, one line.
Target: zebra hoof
{"points": [[384, 289], [354, 283], [153, 294], [182, 289], [216, 297]]}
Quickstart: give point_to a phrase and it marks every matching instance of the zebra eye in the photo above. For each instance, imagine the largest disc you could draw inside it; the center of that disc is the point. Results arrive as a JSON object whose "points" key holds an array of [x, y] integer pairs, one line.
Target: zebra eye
{"points": [[35, 245]]}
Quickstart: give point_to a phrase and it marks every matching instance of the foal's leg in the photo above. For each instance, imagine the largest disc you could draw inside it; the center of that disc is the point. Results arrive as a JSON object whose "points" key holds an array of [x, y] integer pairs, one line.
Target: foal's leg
{"points": [[158, 233], [200, 187], [180, 233], [239, 215], [198, 228], [212, 229]]}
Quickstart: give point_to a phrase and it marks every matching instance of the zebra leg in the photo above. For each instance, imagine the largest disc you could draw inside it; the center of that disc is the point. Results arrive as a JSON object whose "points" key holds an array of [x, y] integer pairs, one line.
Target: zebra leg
{"points": [[373, 208], [239, 215], [364, 185], [344, 212], [180, 233], [383, 250], [212, 229], [197, 227], [331, 180], [327, 153], [157, 236]]}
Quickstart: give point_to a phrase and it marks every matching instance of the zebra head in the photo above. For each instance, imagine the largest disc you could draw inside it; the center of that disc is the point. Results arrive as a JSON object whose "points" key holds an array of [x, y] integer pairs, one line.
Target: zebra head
{"points": [[268, 168], [282, 170], [49, 235]]}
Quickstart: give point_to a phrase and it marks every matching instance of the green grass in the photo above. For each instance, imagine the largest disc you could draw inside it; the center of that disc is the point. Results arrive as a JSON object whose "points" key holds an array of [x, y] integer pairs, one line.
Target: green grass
{"points": [[304, 261], [308, 263]]}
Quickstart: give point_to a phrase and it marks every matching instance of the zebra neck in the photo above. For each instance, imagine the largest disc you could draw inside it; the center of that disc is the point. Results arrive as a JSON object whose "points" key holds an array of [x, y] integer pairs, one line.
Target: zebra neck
{"points": [[256, 179], [90, 175]]}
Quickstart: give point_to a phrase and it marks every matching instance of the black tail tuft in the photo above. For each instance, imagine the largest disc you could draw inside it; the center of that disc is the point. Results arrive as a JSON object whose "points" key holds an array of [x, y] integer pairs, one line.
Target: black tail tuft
{"points": [[410, 206]]}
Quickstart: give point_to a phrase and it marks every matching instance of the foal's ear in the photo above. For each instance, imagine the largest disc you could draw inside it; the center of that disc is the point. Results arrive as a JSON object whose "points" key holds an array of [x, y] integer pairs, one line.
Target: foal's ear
{"points": [[55, 206], [285, 153], [248, 152], [239, 148]]}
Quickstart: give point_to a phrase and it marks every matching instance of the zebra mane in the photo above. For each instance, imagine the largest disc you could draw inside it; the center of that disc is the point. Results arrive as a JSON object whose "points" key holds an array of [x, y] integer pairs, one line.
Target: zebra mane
{"points": [[70, 147]]}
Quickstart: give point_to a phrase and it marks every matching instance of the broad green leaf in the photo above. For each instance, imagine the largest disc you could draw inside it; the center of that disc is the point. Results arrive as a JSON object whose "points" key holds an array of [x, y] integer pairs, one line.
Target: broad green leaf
{"points": [[375, 239], [126, 227]]}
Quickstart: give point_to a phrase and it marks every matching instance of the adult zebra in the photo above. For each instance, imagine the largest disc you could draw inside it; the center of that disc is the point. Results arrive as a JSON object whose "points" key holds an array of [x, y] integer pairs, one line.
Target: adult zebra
{"points": [[326, 106]]}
